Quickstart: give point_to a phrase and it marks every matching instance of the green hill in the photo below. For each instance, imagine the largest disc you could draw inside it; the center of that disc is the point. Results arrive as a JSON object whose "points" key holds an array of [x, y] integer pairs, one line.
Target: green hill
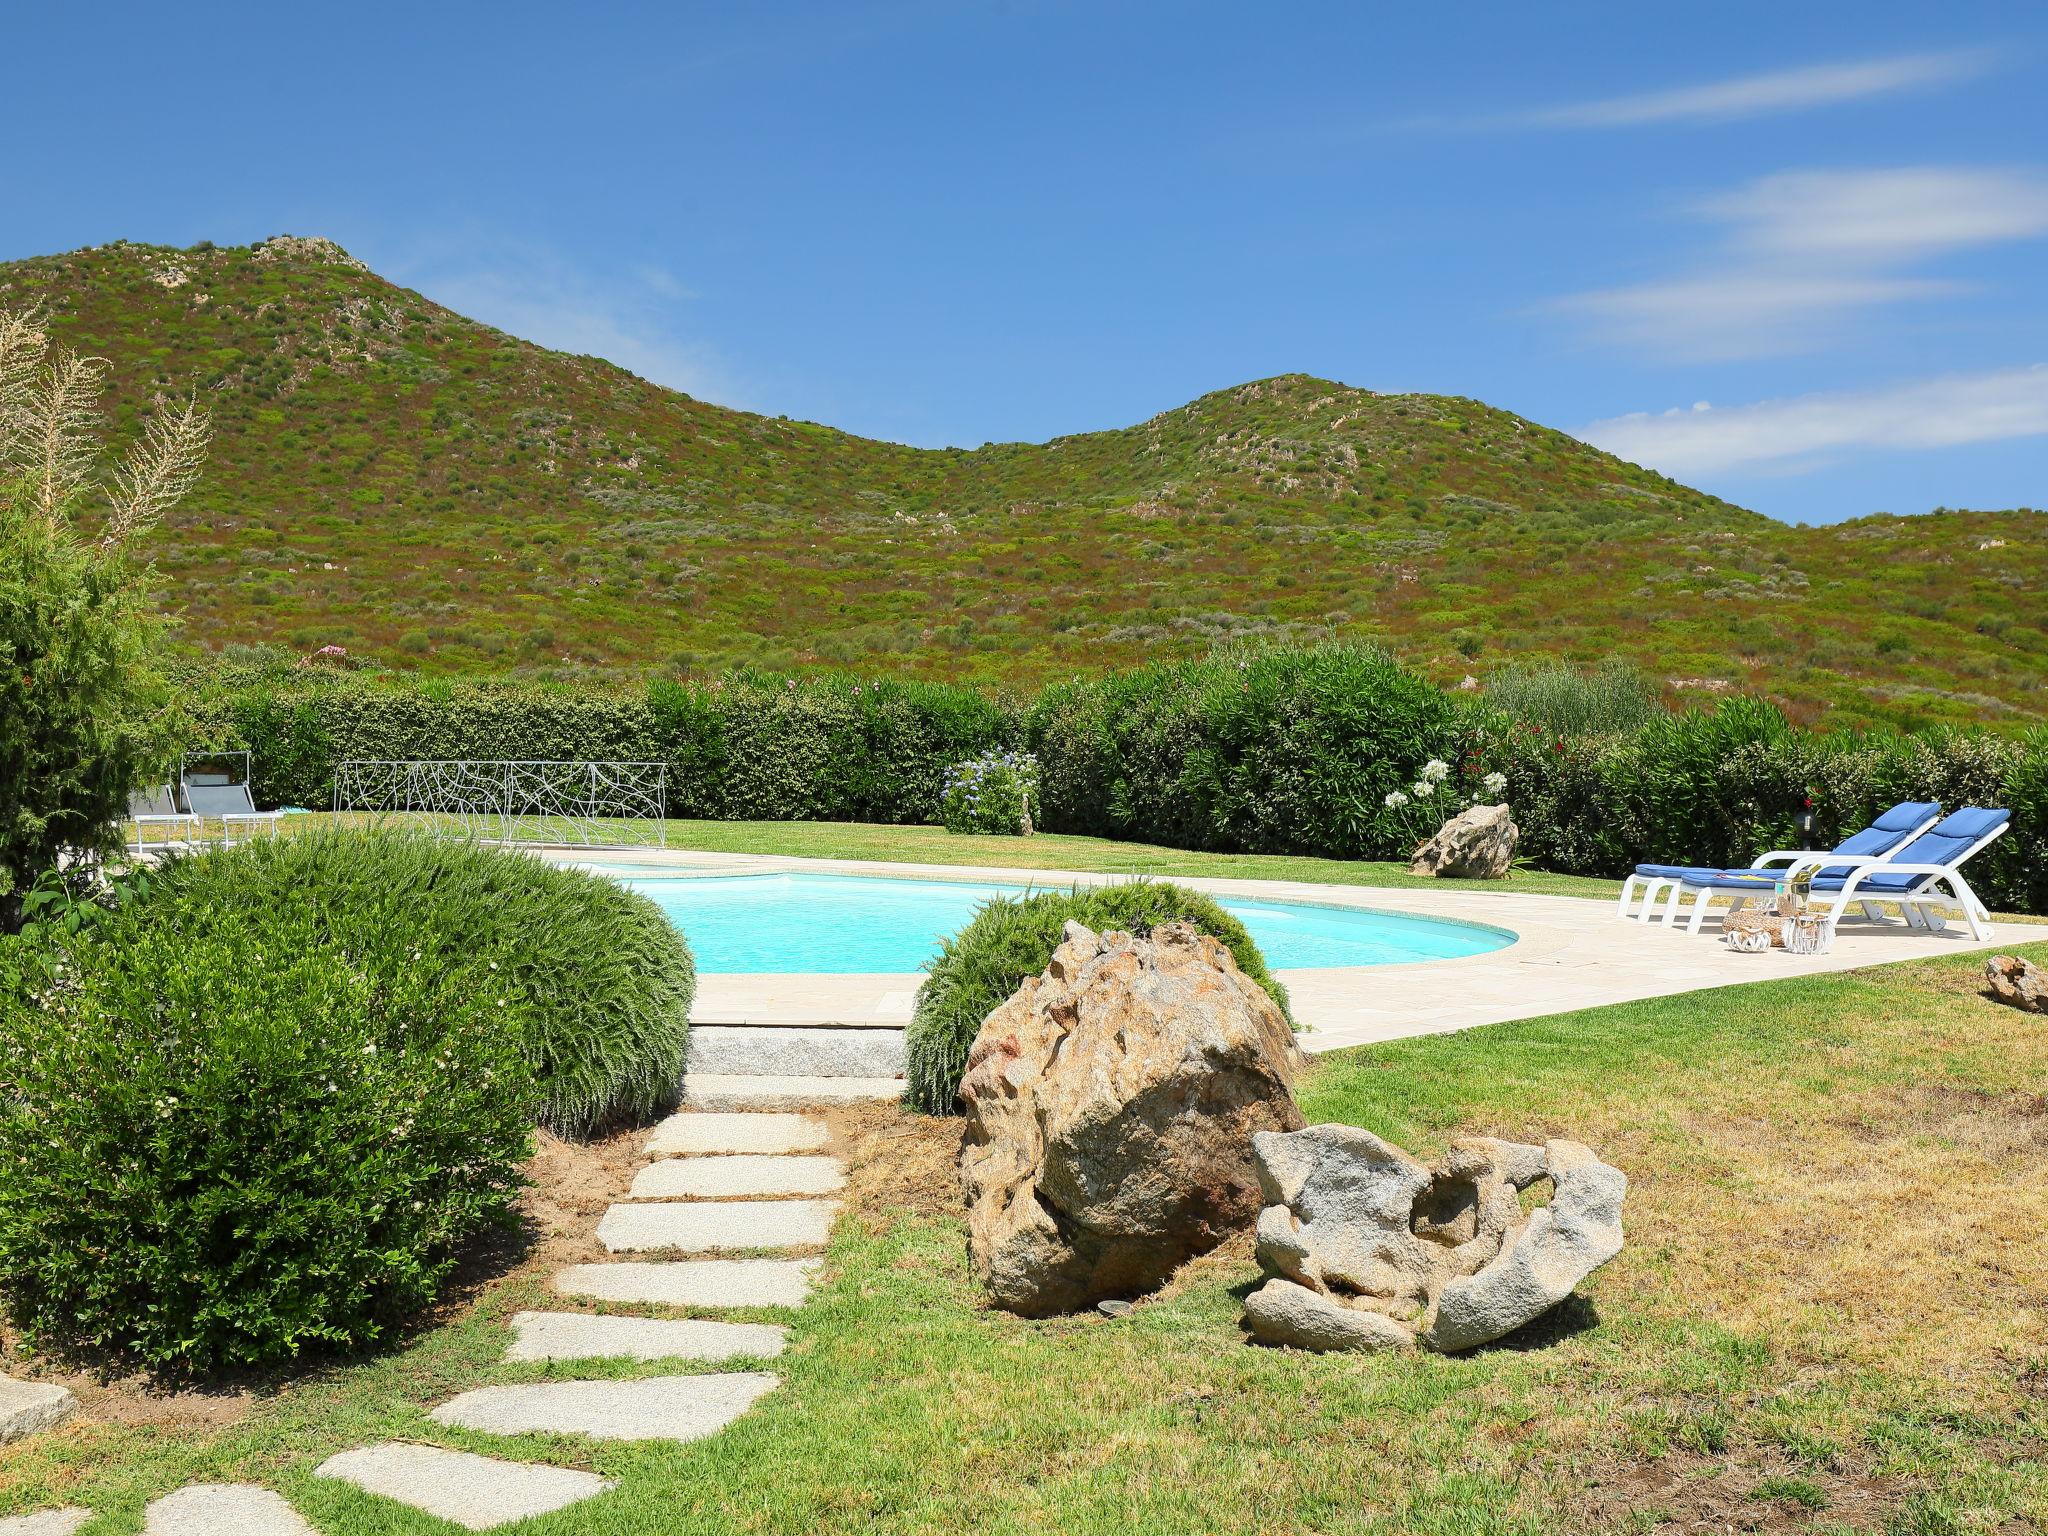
{"points": [[434, 494]]}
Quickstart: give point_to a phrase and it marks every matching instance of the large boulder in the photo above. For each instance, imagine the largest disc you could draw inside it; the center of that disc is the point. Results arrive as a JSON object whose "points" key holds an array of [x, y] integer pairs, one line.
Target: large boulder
{"points": [[2017, 981], [1370, 1249], [1476, 844], [1111, 1108]]}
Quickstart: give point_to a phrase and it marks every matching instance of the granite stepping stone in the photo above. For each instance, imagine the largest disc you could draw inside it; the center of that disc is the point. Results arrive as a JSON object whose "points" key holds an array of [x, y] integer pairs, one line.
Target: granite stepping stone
{"points": [[735, 1091], [693, 1282], [28, 1407], [688, 1133], [475, 1492], [695, 1226], [223, 1509], [583, 1336], [654, 1408], [749, 1174], [51, 1522]]}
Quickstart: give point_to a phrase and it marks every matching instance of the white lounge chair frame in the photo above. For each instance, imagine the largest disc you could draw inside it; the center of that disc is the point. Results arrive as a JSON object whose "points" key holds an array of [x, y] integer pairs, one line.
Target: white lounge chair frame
{"points": [[188, 824]]}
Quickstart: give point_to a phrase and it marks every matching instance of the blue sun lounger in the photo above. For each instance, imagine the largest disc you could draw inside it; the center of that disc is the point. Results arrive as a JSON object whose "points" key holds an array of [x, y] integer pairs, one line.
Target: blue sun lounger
{"points": [[1913, 877], [1874, 844]]}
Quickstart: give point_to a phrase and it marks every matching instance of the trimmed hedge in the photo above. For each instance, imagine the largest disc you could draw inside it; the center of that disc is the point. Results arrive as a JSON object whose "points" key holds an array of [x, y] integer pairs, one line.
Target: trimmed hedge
{"points": [[1012, 938], [1279, 751], [592, 979], [228, 1137], [744, 748]]}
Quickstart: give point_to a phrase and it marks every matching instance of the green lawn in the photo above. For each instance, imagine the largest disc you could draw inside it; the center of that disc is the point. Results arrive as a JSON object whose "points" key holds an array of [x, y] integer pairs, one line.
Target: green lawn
{"points": [[935, 845], [1828, 1314]]}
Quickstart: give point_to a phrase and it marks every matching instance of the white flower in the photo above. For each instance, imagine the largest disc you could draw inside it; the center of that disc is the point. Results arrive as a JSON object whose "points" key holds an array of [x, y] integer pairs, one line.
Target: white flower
{"points": [[1495, 783], [1436, 770], [1425, 787], [1396, 800]]}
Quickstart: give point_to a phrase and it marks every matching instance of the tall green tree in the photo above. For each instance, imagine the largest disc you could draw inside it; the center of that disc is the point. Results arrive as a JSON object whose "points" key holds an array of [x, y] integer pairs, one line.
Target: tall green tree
{"points": [[84, 711]]}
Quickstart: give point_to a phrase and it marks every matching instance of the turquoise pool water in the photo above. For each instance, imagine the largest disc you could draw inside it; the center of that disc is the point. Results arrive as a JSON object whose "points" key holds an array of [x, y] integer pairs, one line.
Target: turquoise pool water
{"points": [[849, 924]]}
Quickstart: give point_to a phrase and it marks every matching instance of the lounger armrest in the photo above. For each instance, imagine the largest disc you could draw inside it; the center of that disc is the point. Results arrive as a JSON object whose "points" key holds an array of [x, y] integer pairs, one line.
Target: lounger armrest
{"points": [[1797, 856]]}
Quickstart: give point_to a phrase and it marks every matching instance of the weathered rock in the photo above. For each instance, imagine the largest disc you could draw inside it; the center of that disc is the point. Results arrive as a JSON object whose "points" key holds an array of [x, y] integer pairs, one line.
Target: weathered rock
{"points": [[29, 1407], [1111, 1105], [1370, 1249], [1476, 844], [2018, 982]]}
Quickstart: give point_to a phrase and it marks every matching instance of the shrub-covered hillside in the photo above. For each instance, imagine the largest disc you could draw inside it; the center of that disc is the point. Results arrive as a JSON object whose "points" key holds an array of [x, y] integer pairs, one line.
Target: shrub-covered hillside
{"points": [[428, 492]]}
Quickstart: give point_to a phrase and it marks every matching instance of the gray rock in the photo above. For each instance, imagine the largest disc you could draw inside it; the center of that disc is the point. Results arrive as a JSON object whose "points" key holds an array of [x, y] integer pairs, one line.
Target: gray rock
{"points": [[1110, 1106], [2017, 981], [223, 1509], [653, 1408], [718, 1178], [1370, 1249], [694, 1282], [1557, 1247], [475, 1492], [51, 1522], [698, 1226], [1281, 1312], [763, 1091], [702, 1131], [1476, 844], [29, 1407], [586, 1336]]}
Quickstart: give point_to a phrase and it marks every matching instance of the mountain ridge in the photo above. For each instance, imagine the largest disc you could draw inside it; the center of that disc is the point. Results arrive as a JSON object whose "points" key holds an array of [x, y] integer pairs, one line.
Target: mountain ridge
{"points": [[433, 493]]}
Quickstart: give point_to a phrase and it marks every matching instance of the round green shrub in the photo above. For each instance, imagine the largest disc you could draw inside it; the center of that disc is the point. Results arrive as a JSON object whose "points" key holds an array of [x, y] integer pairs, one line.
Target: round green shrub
{"points": [[228, 1139], [597, 982], [1012, 938]]}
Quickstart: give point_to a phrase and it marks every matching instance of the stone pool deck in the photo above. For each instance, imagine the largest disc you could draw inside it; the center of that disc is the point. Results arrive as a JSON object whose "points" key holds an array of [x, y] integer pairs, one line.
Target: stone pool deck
{"points": [[1569, 952]]}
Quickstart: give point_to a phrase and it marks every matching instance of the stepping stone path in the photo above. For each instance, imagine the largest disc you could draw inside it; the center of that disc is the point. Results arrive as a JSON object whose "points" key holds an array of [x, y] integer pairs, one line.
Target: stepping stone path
{"points": [[473, 1491], [713, 1187], [223, 1509], [28, 1407], [582, 1336]]}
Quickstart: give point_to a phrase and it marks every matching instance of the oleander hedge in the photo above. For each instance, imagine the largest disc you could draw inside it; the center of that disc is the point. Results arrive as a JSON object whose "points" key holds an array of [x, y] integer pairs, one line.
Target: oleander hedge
{"points": [[1279, 750]]}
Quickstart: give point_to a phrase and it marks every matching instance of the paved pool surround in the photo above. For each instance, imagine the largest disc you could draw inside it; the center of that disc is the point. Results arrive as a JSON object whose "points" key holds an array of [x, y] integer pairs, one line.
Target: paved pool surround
{"points": [[1569, 952]]}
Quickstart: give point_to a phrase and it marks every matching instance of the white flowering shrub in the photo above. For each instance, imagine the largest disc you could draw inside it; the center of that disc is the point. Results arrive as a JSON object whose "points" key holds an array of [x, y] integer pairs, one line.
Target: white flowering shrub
{"points": [[995, 794], [1412, 815]]}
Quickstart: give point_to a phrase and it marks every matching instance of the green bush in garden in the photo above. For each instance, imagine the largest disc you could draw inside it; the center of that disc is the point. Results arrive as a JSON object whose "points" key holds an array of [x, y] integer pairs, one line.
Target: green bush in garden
{"points": [[995, 795], [1012, 938], [1559, 700], [593, 981], [230, 1137], [1265, 751]]}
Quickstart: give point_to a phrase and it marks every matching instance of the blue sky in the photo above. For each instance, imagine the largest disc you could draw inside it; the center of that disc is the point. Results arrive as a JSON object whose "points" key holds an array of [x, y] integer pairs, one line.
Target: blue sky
{"points": [[1795, 254]]}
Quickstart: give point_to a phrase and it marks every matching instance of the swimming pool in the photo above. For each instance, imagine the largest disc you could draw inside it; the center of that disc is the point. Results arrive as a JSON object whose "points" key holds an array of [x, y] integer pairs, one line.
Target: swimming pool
{"points": [[855, 924]]}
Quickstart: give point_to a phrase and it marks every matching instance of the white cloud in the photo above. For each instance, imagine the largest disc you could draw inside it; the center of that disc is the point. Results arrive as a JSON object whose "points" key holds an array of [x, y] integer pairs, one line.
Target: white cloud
{"points": [[1800, 251], [1797, 434], [1784, 90], [636, 321]]}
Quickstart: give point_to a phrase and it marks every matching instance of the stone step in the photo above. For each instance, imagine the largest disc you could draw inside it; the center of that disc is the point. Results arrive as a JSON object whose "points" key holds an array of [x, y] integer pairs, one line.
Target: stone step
{"points": [[49, 1522], [475, 1492], [711, 1090], [223, 1509], [696, 1132], [653, 1408], [720, 1178], [29, 1407], [586, 1336], [795, 1050], [693, 1226], [692, 1282]]}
